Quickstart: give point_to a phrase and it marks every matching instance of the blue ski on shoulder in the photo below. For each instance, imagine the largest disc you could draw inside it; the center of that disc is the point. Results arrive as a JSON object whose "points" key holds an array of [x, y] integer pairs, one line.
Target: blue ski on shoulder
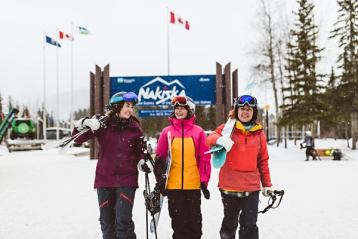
{"points": [[218, 152]]}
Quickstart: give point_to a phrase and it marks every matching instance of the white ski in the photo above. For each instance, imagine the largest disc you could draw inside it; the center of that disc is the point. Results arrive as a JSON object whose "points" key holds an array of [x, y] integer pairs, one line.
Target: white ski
{"points": [[155, 219]]}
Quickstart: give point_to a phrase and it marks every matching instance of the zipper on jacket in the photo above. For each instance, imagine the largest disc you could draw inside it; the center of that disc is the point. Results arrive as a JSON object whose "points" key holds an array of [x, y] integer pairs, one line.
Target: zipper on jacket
{"points": [[182, 156]]}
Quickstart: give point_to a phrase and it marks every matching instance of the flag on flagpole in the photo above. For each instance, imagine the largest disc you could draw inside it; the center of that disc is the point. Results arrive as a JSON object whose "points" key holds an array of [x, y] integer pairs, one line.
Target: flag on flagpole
{"points": [[82, 30], [65, 36], [175, 19], [51, 41]]}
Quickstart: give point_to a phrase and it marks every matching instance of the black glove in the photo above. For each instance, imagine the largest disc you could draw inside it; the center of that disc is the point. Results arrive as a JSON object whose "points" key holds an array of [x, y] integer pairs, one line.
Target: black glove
{"points": [[160, 186], [159, 168], [152, 201], [145, 166], [205, 190]]}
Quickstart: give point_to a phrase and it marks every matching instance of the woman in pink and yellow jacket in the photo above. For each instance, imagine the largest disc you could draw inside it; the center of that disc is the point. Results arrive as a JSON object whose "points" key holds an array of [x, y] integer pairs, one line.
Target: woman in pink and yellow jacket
{"points": [[189, 171], [245, 169]]}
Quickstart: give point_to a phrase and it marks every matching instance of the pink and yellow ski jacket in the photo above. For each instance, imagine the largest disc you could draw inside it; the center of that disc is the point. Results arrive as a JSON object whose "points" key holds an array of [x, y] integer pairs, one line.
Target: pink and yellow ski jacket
{"points": [[189, 166]]}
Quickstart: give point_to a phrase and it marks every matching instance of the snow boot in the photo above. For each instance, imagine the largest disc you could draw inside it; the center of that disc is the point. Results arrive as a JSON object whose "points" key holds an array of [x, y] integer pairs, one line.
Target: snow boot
{"points": [[249, 232]]}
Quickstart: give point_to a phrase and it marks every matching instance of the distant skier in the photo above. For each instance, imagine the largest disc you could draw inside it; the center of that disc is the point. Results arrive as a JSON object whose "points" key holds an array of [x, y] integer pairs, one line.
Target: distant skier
{"points": [[119, 155], [308, 143], [190, 169], [245, 168]]}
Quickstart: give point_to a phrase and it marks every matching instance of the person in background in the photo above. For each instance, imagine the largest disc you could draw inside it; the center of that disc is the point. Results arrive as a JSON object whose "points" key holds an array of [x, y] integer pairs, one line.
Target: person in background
{"points": [[120, 156], [309, 145], [189, 172], [245, 169]]}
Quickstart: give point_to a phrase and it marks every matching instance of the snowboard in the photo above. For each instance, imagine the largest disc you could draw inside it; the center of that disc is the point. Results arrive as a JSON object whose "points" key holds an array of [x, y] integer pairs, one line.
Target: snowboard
{"points": [[218, 152], [155, 219]]}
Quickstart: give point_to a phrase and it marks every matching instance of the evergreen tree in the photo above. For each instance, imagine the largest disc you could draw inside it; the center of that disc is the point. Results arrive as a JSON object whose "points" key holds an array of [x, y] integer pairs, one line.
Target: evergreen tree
{"points": [[10, 104], [81, 113], [305, 100], [346, 31], [25, 112], [211, 118], [201, 118], [333, 114]]}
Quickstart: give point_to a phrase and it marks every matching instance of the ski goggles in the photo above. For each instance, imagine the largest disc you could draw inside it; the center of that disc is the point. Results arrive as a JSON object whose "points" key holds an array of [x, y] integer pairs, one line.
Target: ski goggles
{"points": [[179, 100], [126, 97], [246, 100]]}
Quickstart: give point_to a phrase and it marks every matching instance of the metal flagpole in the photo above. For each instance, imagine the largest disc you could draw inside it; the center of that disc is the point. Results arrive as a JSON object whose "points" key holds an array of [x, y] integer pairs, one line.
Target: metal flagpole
{"points": [[57, 91], [44, 81], [168, 42], [72, 62]]}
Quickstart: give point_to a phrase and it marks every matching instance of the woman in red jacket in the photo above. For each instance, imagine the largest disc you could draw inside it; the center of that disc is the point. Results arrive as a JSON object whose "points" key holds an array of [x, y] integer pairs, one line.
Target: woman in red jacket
{"points": [[245, 169]]}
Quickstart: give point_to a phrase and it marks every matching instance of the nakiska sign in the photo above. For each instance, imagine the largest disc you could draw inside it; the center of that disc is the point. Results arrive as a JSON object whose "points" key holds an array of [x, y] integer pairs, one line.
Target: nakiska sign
{"points": [[158, 90]]}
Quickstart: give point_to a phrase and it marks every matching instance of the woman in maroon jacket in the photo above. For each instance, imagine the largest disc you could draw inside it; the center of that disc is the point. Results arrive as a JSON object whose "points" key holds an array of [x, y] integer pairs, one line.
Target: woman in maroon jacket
{"points": [[120, 154]]}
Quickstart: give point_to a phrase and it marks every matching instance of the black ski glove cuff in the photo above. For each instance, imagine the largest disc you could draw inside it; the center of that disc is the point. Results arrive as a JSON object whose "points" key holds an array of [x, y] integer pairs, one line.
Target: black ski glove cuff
{"points": [[205, 190]]}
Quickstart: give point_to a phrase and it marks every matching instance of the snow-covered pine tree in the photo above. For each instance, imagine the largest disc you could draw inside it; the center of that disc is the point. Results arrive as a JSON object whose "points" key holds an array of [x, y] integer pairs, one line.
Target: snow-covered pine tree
{"points": [[305, 105], [346, 31]]}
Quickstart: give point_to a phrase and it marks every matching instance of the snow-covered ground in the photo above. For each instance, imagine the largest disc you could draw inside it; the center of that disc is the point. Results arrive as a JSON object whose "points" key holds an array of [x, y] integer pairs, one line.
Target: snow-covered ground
{"points": [[47, 195]]}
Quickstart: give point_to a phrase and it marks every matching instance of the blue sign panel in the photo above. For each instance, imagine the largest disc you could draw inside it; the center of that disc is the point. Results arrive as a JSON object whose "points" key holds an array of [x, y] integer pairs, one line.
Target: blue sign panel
{"points": [[158, 90], [150, 113]]}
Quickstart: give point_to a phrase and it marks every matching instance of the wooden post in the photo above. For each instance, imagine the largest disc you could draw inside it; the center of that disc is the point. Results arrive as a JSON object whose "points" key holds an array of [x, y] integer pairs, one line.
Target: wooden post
{"points": [[235, 84], [219, 95], [98, 91], [228, 91], [106, 85], [91, 143]]}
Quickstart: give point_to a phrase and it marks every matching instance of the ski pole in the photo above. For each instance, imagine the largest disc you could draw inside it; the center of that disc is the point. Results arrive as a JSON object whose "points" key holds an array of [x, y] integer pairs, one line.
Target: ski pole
{"points": [[147, 195], [146, 210], [273, 197]]}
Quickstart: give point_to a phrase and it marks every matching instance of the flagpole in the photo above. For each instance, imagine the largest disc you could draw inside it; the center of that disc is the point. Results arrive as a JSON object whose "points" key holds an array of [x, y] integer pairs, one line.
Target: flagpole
{"points": [[57, 89], [44, 81], [168, 42], [72, 67]]}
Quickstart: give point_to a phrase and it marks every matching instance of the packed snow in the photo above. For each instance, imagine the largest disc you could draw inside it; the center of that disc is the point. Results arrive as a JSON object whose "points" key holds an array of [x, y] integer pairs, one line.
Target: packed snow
{"points": [[47, 195]]}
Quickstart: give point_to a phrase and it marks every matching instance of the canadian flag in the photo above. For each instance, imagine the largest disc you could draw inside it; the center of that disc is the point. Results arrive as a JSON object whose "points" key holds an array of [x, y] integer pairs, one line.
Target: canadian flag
{"points": [[63, 35], [175, 19]]}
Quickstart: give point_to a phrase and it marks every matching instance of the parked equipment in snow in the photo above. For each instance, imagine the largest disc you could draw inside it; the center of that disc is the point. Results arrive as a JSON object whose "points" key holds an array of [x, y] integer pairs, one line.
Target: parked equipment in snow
{"points": [[22, 136], [22, 128], [5, 124]]}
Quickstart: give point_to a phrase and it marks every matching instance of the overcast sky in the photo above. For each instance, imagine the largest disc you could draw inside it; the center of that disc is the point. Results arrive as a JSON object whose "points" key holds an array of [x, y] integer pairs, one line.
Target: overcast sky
{"points": [[131, 37]]}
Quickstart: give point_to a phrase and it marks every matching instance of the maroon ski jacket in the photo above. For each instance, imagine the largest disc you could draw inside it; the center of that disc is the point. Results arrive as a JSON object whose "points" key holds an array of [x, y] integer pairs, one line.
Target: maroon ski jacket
{"points": [[119, 152]]}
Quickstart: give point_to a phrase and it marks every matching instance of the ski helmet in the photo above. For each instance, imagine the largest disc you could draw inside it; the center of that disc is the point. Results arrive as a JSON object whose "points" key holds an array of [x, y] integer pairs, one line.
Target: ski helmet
{"points": [[117, 100], [124, 97], [185, 102], [248, 100]]}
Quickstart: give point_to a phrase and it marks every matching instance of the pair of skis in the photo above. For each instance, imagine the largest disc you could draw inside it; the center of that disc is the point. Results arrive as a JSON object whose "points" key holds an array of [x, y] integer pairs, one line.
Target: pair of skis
{"points": [[67, 143], [155, 219]]}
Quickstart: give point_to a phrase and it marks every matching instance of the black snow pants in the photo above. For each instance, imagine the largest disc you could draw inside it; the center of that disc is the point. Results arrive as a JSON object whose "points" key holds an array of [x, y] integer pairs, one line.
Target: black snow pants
{"points": [[185, 212], [243, 210], [115, 206]]}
